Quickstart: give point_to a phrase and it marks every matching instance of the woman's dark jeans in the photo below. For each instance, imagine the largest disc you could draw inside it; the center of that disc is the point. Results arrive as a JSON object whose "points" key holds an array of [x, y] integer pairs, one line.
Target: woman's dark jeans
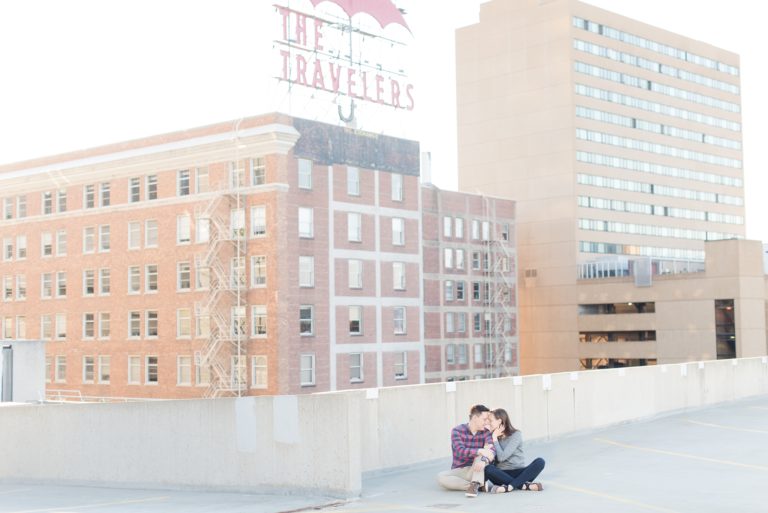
{"points": [[516, 477]]}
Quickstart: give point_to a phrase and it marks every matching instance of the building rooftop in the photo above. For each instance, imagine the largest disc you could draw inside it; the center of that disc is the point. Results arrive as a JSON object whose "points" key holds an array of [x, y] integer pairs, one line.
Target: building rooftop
{"points": [[704, 460]]}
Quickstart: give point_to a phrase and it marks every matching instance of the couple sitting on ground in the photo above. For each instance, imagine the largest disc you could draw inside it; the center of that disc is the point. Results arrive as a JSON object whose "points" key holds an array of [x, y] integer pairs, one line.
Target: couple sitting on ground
{"points": [[488, 456]]}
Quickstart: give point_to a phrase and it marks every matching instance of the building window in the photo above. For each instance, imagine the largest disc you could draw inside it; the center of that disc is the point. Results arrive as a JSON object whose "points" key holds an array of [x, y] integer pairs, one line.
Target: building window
{"points": [[236, 176], [306, 224], [397, 187], [258, 221], [7, 249], [182, 183], [355, 320], [259, 372], [104, 195], [258, 271], [398, 318], [307, 370], [449, 327], [459, 291], [152, 324], [61, 284], [21, 207], [21, 247], [8, 288], [447, 227], [47, 203], [89, 196], [46, 327], [184, 276], [7, 208], [134, 324], [46, 286], [21, 327], [478, 353], [476, 322], [104, 369], [353, 181], [61, 201], [486, 230], [89, 325], [134, 279], [462, 360], [475, 229], [151, 377], [237, 272], [60, 371], [183, 229], [202, 180], [237, 223], [21, 287], [306, 320], [202, 230], [450, 354], [258, 171], [134, 235], [398, 275], [355, 274], [89, 239], [356, 367], [89, 282], [61, 326], [202, 372], [151, 189], [237, 317], [134, 190], [46, 244], [401, 365], [134, 370], [475, 260], [306, 271], [461, 324], [202, 277], [259, 321], [398, 231], [183, 323], [448, 258], [460, 259], [725, 328], [61, 243], [458, 228], [239, 370], [104, 238], [202, 326], [305, 174], [150, 275], [104, 325], [150, 234], [354, 227], [183, 371], [448, 290], [88, 369]]}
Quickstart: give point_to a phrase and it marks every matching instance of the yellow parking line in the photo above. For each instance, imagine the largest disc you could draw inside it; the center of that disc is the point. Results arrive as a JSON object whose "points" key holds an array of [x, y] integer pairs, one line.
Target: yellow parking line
{"points": [[614, 498], [733, 428], [684, 455], [88, 506]]}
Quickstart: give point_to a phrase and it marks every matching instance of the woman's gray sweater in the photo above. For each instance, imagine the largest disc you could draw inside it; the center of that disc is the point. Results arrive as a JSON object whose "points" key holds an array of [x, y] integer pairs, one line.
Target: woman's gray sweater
{"points": [[509, 452]]}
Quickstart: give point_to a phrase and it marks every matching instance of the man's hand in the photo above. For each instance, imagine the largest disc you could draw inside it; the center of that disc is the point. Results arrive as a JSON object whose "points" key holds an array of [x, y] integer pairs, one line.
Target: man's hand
{"points": [[485, 451]]}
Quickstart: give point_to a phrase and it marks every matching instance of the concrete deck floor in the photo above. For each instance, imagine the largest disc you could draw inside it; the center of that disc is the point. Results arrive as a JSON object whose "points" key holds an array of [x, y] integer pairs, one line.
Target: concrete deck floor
{"points": [[709, 460]]}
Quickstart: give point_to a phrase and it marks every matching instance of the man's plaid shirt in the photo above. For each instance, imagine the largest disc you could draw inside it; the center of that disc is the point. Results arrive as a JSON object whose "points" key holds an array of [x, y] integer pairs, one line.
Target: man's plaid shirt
{"points": [[465, 444]]}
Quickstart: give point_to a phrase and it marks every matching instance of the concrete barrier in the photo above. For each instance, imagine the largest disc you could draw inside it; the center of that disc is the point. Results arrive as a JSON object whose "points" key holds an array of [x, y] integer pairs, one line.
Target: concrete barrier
{"points": [[323, 443]]}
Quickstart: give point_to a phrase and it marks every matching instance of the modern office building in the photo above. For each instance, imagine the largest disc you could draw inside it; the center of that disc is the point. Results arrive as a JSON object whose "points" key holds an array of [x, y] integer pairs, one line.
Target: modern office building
{"points": [[268, 255], [621, 145]]}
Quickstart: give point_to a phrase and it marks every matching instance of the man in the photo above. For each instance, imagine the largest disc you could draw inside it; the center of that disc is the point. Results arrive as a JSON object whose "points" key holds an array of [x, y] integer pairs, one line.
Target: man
{"points": [[472, 447]]}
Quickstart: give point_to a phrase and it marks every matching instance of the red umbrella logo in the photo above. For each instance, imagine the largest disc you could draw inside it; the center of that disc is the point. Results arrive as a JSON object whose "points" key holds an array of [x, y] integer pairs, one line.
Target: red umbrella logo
{"points": [[383, 11]]}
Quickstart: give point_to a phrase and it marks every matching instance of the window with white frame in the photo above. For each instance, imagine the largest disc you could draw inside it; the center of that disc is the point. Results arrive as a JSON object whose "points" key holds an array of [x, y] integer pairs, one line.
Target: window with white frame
{"points": [[398, 231], [21, 327], [105, 328], [397, 187], [459, 291], [21, 247], [237, 223], [258, 271], [134, 370], [184, 276], [237, 317], [476, 322], [150, 233], [61, 242], [89, 369], [486, 230], [354, 227], [355, 274], [239, 371], [478, 348], [7, 331], [134, 190], [89, 196], [458, 228], [134, 279], [89, 325], [462, 359], [237, 272], [48, 368], [353, 181], [183, 183], [398, 320], [61, 200], [183, 323], [449, 327], [61, 284], [151, 376], [153, 324], [401, 365], [460, 259], [105, 369], [202, 372], [259, 321], [151, 188], [7, 208], [184, 371], [475, 260], [61, 326], [134, 235], [355, 320], [307, 369], [356, 367], [448, 290], [7, 249], [202, 277], [398, 275], [21, 287], [104, 238], [258, 171], [47, 203], [183, 229], [306, 223], [21, 207], [46, 285], [461, 322], [475, 229], [306, 320], [202, 180], [8, 288], [89, 282], [202, 326], [202, 230], [89, 239], [447, 227], [105, 198], [259, 371], [46, 327], [258, 221], [150, 278], [448, 258], [46, 244], [60, 371], [450, 354], [236, 175], [306, 271], [305, 174]]}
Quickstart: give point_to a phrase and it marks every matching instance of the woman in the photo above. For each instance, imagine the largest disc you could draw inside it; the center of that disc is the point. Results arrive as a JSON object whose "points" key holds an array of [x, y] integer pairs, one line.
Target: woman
{"points": [[509, 471]]}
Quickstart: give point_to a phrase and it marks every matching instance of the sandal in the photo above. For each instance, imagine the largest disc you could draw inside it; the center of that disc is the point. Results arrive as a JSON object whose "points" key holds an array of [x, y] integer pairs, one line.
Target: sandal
{"points": [[501, 488], [532, 487]]}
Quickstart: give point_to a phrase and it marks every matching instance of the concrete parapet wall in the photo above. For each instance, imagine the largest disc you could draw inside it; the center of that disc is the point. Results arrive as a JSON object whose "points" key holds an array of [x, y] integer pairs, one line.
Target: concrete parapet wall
{"points": [[324, 442]]}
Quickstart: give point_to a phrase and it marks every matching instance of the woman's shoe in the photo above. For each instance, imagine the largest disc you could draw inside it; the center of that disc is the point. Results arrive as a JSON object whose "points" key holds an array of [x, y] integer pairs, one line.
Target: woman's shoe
{"points": [[532, 487]]}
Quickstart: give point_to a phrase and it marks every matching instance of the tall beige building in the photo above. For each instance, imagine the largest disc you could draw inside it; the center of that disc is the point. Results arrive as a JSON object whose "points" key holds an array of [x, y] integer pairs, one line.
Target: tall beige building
{"points": [[621, 144]]}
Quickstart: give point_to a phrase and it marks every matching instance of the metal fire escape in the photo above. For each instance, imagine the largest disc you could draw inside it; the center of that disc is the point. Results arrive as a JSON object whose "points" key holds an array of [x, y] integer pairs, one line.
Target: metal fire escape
{"points": [[499, 317], [222, 265]]}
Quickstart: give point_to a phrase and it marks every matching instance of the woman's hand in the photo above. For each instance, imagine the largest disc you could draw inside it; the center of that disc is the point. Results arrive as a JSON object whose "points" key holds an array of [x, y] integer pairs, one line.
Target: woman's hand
{"points": [[497, 433]]}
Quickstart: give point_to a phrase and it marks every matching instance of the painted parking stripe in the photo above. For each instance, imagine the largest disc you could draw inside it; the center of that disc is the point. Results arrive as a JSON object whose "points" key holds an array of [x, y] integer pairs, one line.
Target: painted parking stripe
{"points": [[8, 492], [614, 498], [684, 455], [732, 428], [88, 506]]}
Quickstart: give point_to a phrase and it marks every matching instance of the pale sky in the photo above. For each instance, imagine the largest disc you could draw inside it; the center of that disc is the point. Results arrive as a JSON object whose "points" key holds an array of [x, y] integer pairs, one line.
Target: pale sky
{"points": [[81, 73]]}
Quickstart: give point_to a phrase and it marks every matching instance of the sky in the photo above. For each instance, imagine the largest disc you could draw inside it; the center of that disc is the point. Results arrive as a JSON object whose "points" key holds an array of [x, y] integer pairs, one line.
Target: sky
{"points": [[82, 73]]}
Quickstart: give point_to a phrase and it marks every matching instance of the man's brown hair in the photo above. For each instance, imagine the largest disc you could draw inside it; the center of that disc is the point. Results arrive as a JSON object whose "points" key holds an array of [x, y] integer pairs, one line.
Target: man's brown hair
{"points": [[477, 410]]}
